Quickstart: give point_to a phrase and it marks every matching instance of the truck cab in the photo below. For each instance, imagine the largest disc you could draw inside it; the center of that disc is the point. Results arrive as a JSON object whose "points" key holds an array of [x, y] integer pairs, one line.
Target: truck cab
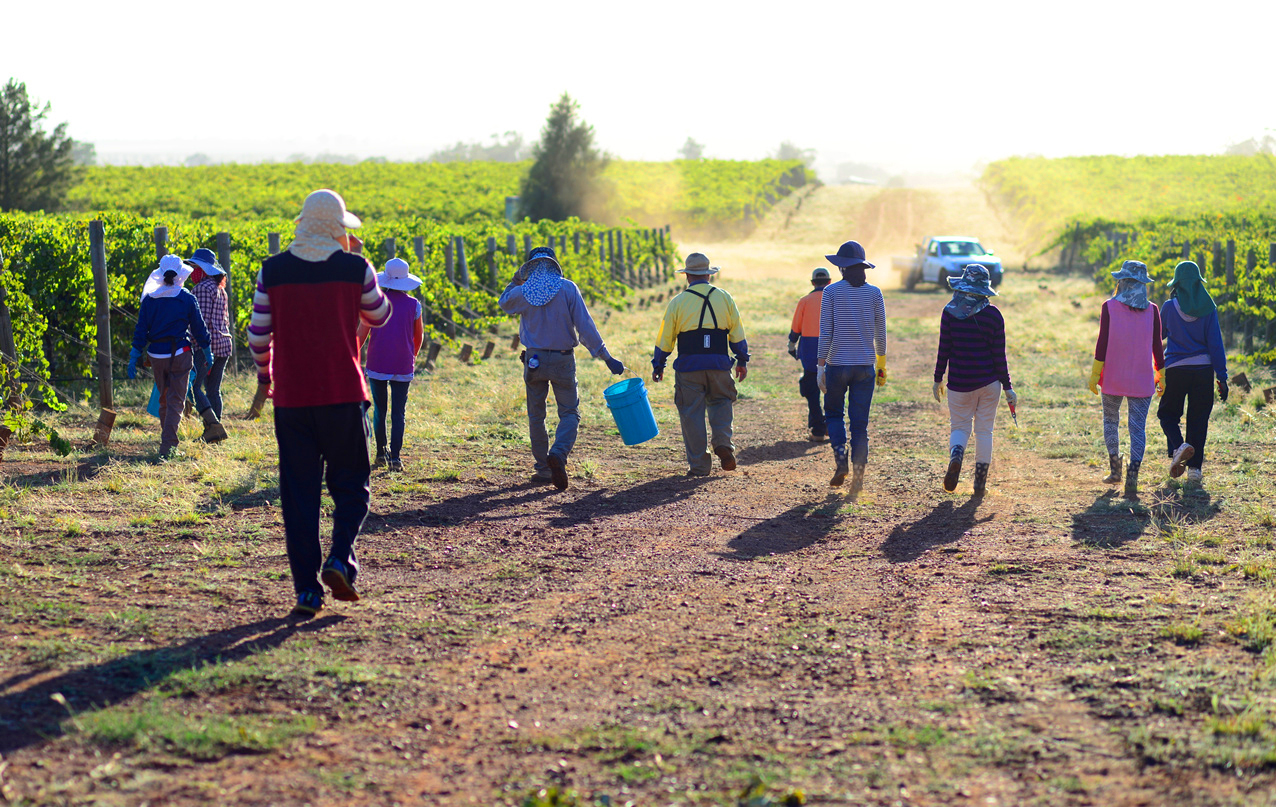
{"points": [[943, 256]]}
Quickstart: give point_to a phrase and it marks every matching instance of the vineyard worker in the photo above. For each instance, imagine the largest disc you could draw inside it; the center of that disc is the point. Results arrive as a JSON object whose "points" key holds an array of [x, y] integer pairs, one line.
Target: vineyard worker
{"points": [[851, 357], [209, 280], [1128, 362], [704, 322], [1193, 353], [972, 347], [392, 352], [169, 314], [804, 345], [553, 320], [309, 302]]}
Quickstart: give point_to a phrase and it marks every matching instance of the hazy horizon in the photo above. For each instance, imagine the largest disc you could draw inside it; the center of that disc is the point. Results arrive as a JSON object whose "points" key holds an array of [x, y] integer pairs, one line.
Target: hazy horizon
{"points": [[920, 88]]}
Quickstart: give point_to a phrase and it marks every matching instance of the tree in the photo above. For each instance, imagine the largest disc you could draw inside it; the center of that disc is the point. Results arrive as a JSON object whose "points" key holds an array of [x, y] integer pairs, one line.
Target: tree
{"points": [[83, 153], [788, 151], [565, 177], [691, 150], [198, 159], [508, 151], [1253, 146], [36, 168]]}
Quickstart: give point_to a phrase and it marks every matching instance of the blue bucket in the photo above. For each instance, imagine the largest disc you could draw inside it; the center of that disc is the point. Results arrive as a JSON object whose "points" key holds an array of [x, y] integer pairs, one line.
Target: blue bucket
{"points": [[631, 410]]}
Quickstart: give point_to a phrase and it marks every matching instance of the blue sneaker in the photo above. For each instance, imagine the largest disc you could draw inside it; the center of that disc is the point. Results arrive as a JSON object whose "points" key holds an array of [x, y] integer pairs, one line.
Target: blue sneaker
{"points": [[336, 576], [308, 604]]}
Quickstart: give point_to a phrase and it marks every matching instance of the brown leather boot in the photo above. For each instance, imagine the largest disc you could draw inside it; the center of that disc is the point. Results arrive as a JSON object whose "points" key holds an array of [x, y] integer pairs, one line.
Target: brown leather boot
{"points": [[1114, 469], [214, 432]]}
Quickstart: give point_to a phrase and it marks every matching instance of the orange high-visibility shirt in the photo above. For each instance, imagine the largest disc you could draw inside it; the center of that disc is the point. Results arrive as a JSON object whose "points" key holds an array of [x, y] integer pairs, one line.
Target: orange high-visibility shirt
{"points": [[806, 319]]}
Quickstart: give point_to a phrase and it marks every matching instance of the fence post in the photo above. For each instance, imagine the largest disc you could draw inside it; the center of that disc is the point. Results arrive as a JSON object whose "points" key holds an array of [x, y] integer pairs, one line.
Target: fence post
{"points": [[491, 262], [389, 249], [272, 243], [161, 242], [223, 257], [1251, 263], [611, 253], [576, 242], [102, 294], [449, 261], [1229, 295], [461, 265], [527, 245], [552, 245], [511, 246]]}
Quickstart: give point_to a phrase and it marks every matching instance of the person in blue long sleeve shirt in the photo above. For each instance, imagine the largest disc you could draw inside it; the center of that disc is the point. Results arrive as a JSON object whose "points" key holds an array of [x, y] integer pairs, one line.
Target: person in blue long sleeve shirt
{"points": [[704, 323], [1195, 362], [553, 320], [168, 316]]}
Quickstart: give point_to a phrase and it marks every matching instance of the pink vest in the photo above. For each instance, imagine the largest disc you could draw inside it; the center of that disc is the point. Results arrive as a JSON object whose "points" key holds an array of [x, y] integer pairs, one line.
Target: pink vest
{"points": [[1127, 368]]}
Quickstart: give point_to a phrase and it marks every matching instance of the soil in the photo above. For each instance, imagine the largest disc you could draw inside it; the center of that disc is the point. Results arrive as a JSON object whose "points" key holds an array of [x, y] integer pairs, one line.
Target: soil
{"points": [[661, 639]]}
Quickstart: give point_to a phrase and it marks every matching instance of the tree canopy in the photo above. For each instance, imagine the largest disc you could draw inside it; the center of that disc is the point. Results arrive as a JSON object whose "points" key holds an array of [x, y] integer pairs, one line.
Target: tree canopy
{"points": [[565, 177], [691, 150], [37, 168]]}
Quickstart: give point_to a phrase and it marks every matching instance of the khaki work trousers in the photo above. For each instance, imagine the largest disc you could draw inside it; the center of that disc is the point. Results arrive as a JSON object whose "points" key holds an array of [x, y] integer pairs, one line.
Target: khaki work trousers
{"points": [[694, 392], [172, 376]]}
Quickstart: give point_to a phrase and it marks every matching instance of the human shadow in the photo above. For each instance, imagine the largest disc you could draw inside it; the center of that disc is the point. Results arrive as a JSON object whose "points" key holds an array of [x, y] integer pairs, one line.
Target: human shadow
{"points": [[1111, 522], [498, 504], [31, 715], [81, 471], [943, 525], [778, 451], [793, 530]]}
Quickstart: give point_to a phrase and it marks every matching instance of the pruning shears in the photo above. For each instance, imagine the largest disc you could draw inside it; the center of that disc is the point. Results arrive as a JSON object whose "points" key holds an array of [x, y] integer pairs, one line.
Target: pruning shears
{"points": [[1013, 416]]}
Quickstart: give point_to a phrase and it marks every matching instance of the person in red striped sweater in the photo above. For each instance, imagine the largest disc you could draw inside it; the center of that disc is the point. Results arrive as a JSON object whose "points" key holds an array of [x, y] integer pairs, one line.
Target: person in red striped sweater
{"points": [[309, 302]]}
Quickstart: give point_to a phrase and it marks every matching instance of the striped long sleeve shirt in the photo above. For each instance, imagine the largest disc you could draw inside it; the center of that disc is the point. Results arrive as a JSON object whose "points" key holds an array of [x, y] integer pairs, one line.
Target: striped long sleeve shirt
{"points": [[304, 325], [852, 324], [973, 350]]}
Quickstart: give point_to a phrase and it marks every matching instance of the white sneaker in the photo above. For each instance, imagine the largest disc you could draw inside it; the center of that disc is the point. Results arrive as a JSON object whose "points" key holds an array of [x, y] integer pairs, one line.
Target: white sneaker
{"points": [[1194, 475], [1179, 461]]}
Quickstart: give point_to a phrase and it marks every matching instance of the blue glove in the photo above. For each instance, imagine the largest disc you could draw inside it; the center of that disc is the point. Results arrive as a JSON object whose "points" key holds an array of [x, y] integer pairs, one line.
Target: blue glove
{"points": [[208, 356], [201, 359], [133, 356], [614, 365]]}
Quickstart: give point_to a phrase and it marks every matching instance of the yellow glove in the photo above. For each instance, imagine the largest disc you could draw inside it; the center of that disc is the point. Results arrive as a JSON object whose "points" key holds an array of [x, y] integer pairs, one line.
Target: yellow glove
{"points": [[1096, 374], [881, 371], [1160, 382]]}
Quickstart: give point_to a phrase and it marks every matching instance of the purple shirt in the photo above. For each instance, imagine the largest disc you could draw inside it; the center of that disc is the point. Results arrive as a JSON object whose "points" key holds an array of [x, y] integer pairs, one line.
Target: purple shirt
{"points": [[390, 347]]}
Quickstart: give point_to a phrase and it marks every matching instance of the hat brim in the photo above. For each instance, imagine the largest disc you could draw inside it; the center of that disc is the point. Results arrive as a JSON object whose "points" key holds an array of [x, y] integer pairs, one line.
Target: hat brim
{"points": [[847, 263], [955, 284], [531, 265], [409, 283], [209, 268], [708, 270], [350, 221]]}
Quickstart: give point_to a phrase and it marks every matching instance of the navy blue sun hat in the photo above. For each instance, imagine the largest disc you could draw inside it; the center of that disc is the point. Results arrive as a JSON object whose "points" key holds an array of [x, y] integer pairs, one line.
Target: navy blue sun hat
{"points": [[206, 260], [542, 252], [974, 280], [850, 254], [544, 279], [1132, 270]]}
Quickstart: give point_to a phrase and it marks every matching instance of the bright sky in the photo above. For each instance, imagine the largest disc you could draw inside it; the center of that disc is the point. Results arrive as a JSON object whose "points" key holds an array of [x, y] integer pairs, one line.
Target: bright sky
{"points": [[919, 86]]}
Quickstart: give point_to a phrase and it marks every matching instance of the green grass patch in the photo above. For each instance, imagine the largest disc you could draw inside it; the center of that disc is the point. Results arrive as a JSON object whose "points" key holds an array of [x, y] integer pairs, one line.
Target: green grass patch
{"points": [[161, 726]]}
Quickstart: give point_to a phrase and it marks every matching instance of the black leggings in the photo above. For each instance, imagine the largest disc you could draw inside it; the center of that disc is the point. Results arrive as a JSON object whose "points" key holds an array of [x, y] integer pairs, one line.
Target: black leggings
{"points": [[1195, 384], [398, 405]]}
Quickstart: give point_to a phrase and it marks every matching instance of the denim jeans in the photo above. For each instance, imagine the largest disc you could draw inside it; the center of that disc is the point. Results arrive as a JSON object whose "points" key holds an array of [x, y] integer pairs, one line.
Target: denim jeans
{"points": [[397, 408], [557, 370], [849, 387], [207, 388]]}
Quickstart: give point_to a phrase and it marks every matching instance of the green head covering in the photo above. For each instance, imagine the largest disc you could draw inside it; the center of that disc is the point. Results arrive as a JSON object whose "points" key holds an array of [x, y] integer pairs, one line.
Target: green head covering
{"points": [[1188, 288]]}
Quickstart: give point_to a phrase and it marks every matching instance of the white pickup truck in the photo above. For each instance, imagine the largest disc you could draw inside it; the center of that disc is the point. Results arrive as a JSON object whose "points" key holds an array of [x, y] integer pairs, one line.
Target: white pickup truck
{"points": [[940, 257]]}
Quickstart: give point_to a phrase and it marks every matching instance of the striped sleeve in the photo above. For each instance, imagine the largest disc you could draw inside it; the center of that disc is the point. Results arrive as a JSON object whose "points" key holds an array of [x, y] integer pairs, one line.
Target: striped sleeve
{"points": [[374, 306], [879, 329], [259, 331], [826, 326]]}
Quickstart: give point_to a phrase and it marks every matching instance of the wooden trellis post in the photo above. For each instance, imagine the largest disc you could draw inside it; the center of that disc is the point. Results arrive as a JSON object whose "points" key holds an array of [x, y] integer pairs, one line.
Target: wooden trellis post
{"points": [[272, 243], [492, 275], [161, 242], [390, 252], [102, 295]]}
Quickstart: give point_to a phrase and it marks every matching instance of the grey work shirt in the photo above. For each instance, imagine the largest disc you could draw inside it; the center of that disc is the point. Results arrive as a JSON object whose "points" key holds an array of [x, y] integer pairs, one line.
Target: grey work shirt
{"points": [[560, 324]]}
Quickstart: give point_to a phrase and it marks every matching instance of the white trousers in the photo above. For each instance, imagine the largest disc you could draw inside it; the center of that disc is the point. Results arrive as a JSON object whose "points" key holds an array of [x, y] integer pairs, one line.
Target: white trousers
{"points": [[977, 408]]}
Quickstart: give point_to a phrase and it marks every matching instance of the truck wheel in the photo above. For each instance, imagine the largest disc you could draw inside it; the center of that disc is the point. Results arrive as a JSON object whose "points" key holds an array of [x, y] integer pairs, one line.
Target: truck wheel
{"points": [[910, 283]]}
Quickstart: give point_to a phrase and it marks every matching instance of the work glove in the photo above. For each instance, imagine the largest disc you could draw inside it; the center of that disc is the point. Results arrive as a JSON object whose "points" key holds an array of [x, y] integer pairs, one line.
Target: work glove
{"points": [[793, 351], [657, 374], [881, 371], [208, 356], [1160, 382], [1222, 390], [938, 391], [1096, 376], [819, 377], [1012, 398], [133, 356], [614, 365]]}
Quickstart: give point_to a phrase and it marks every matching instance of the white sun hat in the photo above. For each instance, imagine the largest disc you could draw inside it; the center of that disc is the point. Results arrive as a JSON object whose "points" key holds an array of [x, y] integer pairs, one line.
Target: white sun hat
{"points": [[397, 277]]}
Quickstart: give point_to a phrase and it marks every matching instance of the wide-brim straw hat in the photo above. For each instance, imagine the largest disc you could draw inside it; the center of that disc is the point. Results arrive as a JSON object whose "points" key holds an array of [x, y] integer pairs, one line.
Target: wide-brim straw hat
{"points": [[1132, 270], [697, 263], [544, 279], [850, 254], [974, 280], [326, 205], [397, 277]]}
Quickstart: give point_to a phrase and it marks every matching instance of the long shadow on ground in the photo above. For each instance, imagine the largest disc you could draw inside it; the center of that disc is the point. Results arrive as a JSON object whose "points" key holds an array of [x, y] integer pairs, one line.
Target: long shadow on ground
{"points": [[1110, 522], [498, 504], [29, 715], [944, 525], [793, 530], [776, 452]]}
